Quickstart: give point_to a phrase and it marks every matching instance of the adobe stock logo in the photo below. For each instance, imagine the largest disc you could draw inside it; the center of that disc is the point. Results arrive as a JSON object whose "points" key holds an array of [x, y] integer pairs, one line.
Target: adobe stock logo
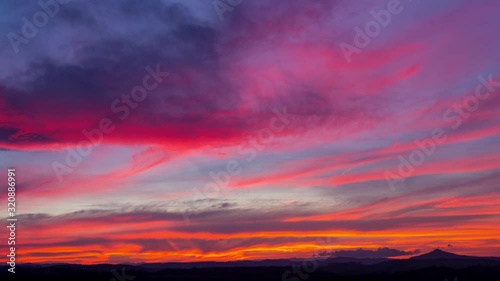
{"points": [[308, 266], [250, 148], [362, 38], [456, 116], [223, 6], [30, 28], [121, 108], [121, 277]]}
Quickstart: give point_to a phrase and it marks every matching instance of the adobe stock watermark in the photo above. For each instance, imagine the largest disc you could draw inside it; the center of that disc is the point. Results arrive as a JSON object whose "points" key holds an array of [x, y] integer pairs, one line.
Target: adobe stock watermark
{"points": [[249, 148], [427, 147], [303, 270], [223, 6], [30, 27], [121, 277], [372, 29], [121, 107]]}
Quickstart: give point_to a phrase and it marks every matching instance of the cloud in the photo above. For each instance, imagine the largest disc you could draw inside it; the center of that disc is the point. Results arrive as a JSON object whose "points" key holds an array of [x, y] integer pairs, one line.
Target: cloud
{"points": [[322, 176], [220, 90], [379, 253]]}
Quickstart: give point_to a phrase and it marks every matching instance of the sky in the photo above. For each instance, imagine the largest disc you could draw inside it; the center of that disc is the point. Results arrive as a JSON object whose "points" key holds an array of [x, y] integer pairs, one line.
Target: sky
{"points": [[156, 131]]}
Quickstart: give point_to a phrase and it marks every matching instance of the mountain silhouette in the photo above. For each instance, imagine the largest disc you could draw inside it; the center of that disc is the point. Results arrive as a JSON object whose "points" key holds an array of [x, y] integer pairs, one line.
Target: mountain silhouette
{"points": [[440, 254]]}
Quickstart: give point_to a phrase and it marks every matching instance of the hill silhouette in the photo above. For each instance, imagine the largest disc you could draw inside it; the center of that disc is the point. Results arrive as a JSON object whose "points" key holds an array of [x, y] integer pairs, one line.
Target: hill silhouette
{"points": [[436, 265], [440, 254]]}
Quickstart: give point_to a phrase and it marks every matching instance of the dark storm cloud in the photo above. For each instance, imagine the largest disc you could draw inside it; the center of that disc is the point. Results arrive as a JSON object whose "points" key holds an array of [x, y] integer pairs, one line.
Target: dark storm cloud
{"points": [[87, 58], [379, 253]]}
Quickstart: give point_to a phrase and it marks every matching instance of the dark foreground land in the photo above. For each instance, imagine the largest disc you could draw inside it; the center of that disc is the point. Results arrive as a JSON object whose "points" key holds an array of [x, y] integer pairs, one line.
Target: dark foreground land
{"points": [[437, 265], [258, 273]]}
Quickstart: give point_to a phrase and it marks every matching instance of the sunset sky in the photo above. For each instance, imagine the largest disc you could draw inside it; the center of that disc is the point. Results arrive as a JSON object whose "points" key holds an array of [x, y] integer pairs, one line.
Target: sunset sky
{"points": [[151, 131]]}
